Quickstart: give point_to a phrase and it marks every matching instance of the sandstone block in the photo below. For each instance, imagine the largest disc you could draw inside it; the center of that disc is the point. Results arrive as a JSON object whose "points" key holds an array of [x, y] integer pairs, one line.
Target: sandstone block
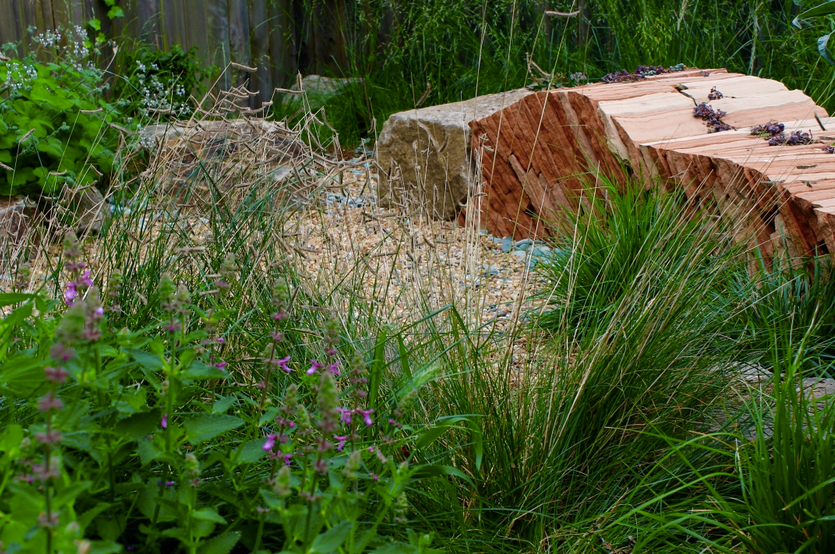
{"points": [[425, 155]]}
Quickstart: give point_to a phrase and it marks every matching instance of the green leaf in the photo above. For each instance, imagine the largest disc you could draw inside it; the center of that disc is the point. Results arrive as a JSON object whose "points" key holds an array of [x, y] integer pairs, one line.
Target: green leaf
{"points": [[138, 425], [377, 368], [115, 12], [252, 452], [395, 548], [423, 472], [208, 514], [22, 376], [95, 24], [154, 362], [198, 371], [224, 403], [827, 8], [9, 298], [12, 437], [222, 544], [208, 426], [331, 539], [823, 49]]}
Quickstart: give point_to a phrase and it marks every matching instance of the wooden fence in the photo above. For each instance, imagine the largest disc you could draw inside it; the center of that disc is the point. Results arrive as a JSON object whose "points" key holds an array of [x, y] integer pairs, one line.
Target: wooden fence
{"points": [[277, 37]]}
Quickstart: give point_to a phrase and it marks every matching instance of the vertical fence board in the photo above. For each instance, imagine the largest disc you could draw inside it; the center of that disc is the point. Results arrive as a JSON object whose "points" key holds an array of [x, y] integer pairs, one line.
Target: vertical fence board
{"points": [[239, 49], [48, 14], [260, 51], [148, 19], [196, 29], [217, 15], [9, 28], [282, 43]]}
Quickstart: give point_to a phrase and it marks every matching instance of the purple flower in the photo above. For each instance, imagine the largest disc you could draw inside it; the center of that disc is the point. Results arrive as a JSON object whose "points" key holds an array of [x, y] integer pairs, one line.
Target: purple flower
{"points": [[366, 417], [70, 293], [334, 368], [341, 439], [62, 352], [85, 280], [56, 374], [220, 365], [314, 367], [164, 422], [282, 363], [269, 444], [346, 415], [50, 438], [49, 403]]}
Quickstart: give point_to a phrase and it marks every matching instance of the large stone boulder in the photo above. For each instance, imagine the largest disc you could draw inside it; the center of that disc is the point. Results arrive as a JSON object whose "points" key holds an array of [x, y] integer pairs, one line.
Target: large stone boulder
{"points": [[426, 157]]}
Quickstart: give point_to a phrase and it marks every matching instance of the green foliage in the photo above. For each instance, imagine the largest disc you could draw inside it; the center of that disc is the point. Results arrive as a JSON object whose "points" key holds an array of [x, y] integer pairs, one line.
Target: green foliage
{"points": [[159, 85], [819, 11], [124, 438], [54, 127]]}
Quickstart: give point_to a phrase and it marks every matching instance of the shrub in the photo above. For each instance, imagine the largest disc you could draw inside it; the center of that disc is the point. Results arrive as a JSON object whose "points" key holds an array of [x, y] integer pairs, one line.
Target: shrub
{"points": [[56, 129], [145, 439]]}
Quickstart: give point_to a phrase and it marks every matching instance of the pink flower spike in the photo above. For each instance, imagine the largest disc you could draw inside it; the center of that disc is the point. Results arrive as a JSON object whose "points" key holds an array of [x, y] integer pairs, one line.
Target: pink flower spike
{"points": [[221, 340], [85, 279], [346, 415], [99, 311], [366, 417], [220, 365], [341, 439], [164, 422], [70, 293], [314, 367], [334, 368], [269, 444], [282, 363]]}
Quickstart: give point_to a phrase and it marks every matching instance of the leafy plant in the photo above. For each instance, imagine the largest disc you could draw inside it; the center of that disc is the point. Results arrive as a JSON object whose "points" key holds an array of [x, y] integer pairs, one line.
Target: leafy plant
{"points": [[57, 129], [159, 85], [138, 439]]}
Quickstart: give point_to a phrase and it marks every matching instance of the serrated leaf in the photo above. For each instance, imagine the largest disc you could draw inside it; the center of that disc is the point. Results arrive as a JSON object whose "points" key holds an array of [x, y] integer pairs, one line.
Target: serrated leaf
{"points": [[198, 371], [138, 425], [208, 426], [154, 362], [330, 540], [208, 514], [252, 452], [221, 405], [115, 12], [220, 545]]}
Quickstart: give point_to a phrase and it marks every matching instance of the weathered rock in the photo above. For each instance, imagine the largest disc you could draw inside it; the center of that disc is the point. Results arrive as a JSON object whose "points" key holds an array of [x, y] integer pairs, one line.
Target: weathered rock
{"points": [[88, 208], [425, 154], [15, 218]]}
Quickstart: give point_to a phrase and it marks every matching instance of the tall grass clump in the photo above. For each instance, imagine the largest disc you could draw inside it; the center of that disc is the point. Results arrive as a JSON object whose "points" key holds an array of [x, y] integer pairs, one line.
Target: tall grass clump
{"points": [[770, 488], [632, 355]]}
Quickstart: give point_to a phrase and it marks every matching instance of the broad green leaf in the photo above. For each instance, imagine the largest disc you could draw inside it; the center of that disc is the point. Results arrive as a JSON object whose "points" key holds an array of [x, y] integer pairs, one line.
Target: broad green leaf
{"points": [[252, 452], [11, 439], [827, 8], [222, 544], [331, 539], [138, 425], [22, 376], [154, 362], [208, 514], [95, 24], [115, 12], [222, 404], [208, 426], [9, 298], [198, 371]]}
